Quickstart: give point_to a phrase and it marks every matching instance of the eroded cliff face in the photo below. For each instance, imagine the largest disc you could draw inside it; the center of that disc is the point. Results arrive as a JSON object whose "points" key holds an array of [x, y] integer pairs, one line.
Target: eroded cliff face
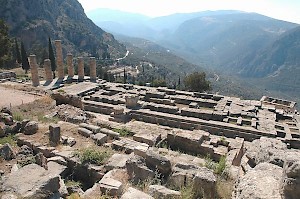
{"points": [[35, 20]]}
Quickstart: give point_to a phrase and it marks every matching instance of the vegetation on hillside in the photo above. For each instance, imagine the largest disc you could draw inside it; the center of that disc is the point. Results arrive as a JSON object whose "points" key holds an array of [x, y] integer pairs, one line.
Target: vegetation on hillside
{"points": [[197, 82]]}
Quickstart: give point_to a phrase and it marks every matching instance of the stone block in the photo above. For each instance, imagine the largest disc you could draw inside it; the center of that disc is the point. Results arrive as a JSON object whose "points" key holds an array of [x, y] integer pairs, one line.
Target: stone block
{"points": [[132, 193], [158, 191], [85, 132], [141, 150], [93, 128], [54, 134], [117, 161], [156, 161], [111, 187], [99, 138]]}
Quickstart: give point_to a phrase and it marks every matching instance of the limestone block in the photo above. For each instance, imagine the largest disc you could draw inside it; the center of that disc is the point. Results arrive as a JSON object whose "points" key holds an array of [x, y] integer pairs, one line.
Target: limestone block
{"points": [[6, 152], [141, 150], [158, 191], [134, 193], [99, 138], [137, 169], [31, 128], [156, 161], [111, 187], [290, 181], [39, 184], [117, 161], [93, 128], [85, 132], [54, 134], [131, 101]]}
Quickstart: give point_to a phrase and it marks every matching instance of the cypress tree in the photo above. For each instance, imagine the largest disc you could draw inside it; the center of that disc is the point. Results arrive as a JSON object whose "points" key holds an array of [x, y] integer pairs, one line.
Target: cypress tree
{"points": [[52, 57], [124, 76], [18, 55], [25, 63]]}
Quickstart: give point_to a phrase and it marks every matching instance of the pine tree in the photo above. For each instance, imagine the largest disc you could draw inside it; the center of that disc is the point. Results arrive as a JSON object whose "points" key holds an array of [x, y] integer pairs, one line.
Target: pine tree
{"points": [[52, 57], [25, 63], [18, 55]]}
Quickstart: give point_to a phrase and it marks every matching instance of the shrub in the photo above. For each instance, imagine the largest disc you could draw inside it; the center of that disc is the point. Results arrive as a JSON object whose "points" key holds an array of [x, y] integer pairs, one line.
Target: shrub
{"points": [[10, 139], [124, 132], [220, 166], [28, 160], [17, 116], [93, 155]]}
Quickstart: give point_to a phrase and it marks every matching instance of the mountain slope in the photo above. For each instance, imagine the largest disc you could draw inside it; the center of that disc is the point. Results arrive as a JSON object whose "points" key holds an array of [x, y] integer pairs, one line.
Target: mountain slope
{"points": [[222, 40], [275, 58], [34, 20]]}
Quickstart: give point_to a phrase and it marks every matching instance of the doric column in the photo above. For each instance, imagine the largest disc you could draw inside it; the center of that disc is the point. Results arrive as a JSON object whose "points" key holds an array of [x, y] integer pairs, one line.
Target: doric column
{"points": [[48, 72], [70, 65], [80, 69], [93, 71], [34, 71], [59, 59]]}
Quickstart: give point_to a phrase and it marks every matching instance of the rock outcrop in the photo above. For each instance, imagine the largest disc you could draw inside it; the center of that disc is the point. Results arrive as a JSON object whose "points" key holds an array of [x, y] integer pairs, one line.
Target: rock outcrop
{"points": [[261, 182]]}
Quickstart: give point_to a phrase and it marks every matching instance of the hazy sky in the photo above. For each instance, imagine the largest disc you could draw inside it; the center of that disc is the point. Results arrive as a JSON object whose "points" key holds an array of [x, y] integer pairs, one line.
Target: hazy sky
{"points": [[288, 10]]}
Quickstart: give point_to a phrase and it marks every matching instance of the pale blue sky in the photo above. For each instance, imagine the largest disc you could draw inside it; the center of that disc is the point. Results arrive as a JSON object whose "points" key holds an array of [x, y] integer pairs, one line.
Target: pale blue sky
{"points": [[288, 10]]}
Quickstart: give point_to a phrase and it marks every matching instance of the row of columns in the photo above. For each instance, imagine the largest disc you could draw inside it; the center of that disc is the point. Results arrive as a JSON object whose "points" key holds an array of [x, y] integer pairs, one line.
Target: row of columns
{"points": [[60, 67]]}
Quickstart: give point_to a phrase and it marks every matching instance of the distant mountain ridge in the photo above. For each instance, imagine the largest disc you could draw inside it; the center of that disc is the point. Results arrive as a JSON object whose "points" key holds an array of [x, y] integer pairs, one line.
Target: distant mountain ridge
{"points": [[259, 50], [34, 20]]}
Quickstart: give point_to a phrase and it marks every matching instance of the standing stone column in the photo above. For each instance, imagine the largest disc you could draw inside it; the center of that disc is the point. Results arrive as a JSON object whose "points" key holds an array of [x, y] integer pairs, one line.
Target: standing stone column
{"points": [[93, 72], [80, 69], [48, 72], [59, 59], [34, 71], [70, 65]]}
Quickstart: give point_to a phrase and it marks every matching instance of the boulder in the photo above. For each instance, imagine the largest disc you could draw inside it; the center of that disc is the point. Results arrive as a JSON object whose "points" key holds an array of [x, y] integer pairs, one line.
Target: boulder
{"points": [[39, 184], [266, 150], [290, 182], [41, 160], [158, 191], [85, 132], [117, 161], [7, 152], [155, 161], [54, 134], [99, 138], [137, 169], [31, 128], [111, 186], [134, 193], [205, 183], [261, 182]]}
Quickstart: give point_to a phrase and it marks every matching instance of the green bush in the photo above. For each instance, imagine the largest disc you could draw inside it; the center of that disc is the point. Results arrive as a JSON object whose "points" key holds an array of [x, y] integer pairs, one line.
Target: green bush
{"points": [[220, 166], [10, 139], [93, 155], [17, 116], [124, 132]]}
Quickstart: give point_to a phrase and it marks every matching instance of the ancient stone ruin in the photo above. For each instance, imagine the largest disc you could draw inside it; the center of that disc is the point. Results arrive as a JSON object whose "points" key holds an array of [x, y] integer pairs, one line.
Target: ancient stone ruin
{"points": [[155, 143]]}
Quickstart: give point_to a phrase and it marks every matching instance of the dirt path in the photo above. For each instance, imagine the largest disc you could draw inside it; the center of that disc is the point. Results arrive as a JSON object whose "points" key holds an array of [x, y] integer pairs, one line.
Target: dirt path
{"points": [[11, 97]]}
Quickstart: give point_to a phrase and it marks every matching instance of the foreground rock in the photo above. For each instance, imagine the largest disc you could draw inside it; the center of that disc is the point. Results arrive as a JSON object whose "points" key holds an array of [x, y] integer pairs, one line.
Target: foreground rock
{"points": [[134, 193], [31, 128], [31, 181], [270, 150], [6, 152], [261, 182], [290, 183]]}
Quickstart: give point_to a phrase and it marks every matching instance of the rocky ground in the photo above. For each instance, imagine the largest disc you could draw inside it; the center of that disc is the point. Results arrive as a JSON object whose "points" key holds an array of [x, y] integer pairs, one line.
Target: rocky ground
{"points": [[50, 151]]}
